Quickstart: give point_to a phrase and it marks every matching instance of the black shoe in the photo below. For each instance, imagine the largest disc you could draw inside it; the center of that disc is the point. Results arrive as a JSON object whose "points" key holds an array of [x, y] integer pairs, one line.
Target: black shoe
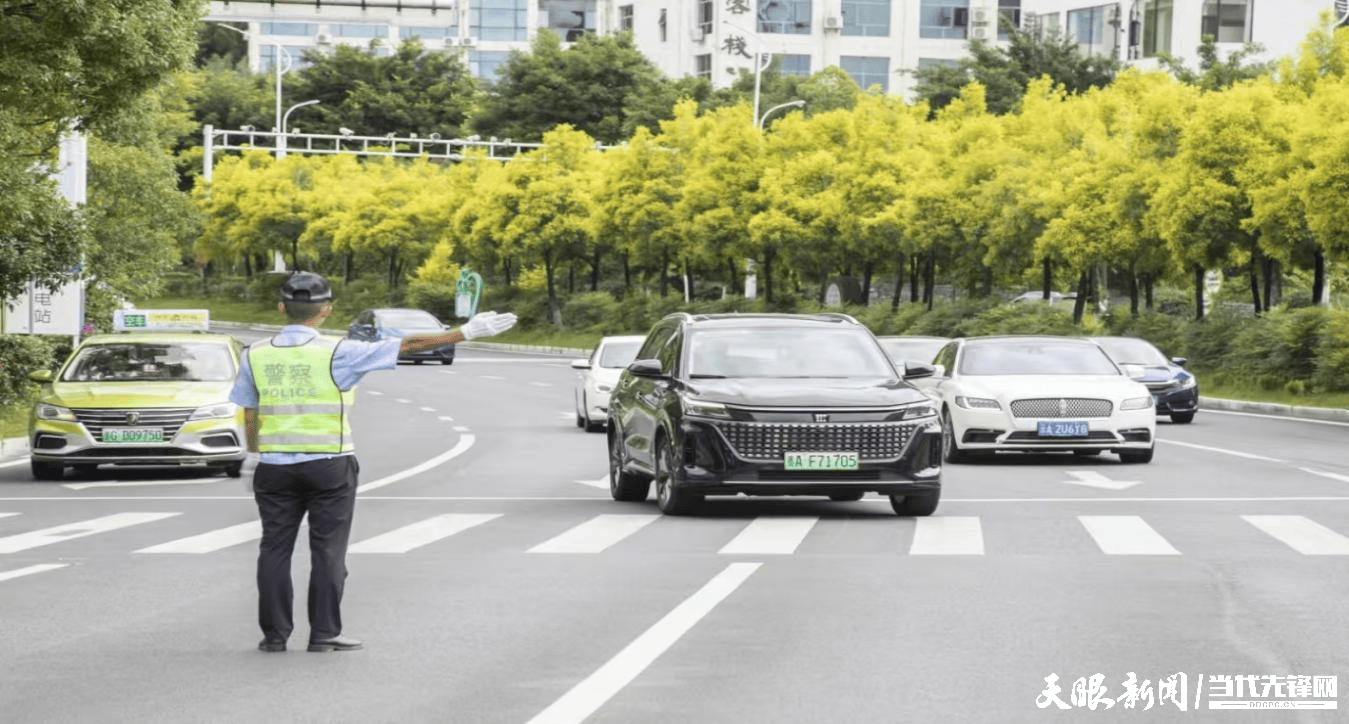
{"points": [[271, 645], [336, 643]]}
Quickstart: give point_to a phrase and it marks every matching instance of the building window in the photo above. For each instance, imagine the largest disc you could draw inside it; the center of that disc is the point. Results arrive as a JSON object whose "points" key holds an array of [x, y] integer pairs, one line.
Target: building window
{"points": [[866, 17], [703, 65], [944, 19], [664, 25], [352, 30], [625, 18], [291, 59], [1009, 17], [1156, 27], [789, 64], [1088, 28], [784, 16], [1228, 21], [290, 29], [867, 71], [486, 64], [498, 20], [925, 63], [427, 32], [705, 16]]}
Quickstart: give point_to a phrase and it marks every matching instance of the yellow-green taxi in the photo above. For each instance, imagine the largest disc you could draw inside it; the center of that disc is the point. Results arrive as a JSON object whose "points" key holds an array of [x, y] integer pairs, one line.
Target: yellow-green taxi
{"points": [[140, 398]]}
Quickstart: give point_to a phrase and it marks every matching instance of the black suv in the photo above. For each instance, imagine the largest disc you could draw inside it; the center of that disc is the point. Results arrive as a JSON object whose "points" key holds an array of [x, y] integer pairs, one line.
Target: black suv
{"points": [[771, 404]]}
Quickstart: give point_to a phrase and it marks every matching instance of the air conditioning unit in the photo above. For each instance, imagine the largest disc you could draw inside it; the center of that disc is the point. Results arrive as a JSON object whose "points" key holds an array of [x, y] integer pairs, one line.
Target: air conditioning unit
{"points": [[469, 42], [697, 33], [979, 32], [323, 39], [451, 42], [833, 22], [980, 15], [1030, 21]]}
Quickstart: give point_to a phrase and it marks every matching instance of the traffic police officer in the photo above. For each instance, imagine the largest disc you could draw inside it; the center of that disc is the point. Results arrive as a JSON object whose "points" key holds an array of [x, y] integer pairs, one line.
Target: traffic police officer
{"points": [[297, 390]]}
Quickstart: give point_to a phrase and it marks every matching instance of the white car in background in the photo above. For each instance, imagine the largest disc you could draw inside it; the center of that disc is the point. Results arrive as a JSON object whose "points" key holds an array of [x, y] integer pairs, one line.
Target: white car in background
{"points": [[1038, 394], [598, 376]]}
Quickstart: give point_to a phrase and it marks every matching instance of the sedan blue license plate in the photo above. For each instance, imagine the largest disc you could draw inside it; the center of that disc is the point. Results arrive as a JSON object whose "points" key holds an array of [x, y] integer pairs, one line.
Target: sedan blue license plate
{"points": [[1055, 428]]}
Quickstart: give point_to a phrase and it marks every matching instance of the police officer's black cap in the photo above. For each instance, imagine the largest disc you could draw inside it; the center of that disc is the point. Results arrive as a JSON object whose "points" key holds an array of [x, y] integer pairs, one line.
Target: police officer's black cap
{"points": [[303, 286]]}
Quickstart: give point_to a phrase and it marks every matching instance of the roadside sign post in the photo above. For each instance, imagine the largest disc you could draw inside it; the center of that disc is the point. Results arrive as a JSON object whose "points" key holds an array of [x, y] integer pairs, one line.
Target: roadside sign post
{"points": [[466, 294]]}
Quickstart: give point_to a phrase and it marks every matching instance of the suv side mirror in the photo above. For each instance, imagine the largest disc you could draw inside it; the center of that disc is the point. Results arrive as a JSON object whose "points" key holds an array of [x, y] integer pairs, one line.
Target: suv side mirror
{"points": [[914, 370], [42, 376], [646, 368], [938, 370], [580, 364], [1179, 361]]}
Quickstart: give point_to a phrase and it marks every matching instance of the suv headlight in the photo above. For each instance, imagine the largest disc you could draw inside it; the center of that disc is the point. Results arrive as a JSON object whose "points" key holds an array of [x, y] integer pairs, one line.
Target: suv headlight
{"points": [[210, 412], [699, 408], [1136, 403], [1186, 382], [977, 403], [54, 412], [916, 411]]}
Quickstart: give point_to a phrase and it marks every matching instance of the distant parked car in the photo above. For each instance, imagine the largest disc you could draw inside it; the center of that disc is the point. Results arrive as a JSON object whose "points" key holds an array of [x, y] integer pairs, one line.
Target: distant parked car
{"points": [[376, 324], [599, 374], [1174, 388], [1039, 296], [909, 350]]}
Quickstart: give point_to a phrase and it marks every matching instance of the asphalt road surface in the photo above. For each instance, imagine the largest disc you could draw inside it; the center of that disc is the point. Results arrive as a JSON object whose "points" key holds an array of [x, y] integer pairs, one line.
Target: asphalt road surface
{"points": [[494, 580]]}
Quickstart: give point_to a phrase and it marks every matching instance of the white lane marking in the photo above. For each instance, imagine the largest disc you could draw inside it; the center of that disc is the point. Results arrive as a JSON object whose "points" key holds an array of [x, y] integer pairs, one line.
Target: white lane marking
{"points": [[770, 536], [141, 483], [1324, 474], [1301, 534], [403, 401], [490, 377], [13, 463], [518, 360], [1208, 411], [1093, 479], [567, 415], [70, 531], [460, 428], [1237, 453], [210, 541], [1126, 535], [595, 534], [596, 483], [465, 443], [428, 409], [448, 372], [589, 695], [541, 384], [6, 515], [29, 570], [446, 418], [402, 540], [948, 535], [373, 392]]}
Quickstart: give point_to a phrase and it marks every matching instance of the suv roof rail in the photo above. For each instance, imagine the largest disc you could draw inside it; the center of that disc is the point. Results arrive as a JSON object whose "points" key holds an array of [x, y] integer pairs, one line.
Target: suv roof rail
{"points": [[840, 316]]}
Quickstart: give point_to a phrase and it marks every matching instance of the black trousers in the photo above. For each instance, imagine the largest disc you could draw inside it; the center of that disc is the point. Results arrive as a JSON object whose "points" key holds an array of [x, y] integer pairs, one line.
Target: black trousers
{"points": [[326, 490]]}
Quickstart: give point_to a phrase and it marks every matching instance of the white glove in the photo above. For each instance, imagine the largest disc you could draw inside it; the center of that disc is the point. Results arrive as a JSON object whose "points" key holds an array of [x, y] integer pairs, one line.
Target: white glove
{"points": [[487, 324]]}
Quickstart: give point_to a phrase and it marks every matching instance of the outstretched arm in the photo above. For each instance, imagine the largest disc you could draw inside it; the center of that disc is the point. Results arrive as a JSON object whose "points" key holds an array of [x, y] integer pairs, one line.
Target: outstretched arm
{"points": [[485, 324]]}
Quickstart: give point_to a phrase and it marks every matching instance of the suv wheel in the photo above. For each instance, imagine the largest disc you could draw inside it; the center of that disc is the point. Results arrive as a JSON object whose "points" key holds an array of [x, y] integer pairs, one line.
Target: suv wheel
{"points": [[623, 485], [669, 497], [950, 449], [48, 471], [916, 504], [235, 470]]}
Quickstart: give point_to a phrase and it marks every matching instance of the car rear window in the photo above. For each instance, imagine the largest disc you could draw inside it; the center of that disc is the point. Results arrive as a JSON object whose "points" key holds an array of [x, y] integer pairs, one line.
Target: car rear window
{"points": [[619, 354], [408, 320], [146, 361], [1036, 358], [786, 352], [1133, 351]]}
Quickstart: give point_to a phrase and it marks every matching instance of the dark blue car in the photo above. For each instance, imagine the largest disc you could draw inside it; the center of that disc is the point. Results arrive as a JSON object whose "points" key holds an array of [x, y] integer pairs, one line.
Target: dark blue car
{"points": [[1174, 388], [376, 324]]}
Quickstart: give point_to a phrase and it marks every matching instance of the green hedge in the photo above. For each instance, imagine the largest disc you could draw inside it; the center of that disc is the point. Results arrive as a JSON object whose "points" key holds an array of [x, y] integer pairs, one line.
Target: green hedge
{"points": [[21, 354]]}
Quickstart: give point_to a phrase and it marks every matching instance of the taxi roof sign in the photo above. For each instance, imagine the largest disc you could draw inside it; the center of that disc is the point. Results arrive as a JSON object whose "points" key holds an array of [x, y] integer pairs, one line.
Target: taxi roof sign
{"points": [[161, 320]]}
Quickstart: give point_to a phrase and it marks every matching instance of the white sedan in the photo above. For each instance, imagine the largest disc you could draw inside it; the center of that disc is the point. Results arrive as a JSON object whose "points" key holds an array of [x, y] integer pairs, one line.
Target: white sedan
{"points": [[599, 374], [1038, 394]]}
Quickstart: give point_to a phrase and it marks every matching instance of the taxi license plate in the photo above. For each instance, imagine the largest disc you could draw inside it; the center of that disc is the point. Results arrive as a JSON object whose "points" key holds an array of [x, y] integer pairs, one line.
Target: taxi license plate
{"points": [[1046, 428], [133, 434], [821, 460]]}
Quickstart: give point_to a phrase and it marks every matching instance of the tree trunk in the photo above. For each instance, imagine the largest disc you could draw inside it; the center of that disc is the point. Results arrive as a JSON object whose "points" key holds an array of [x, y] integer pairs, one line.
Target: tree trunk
{"points": [[664, 275], [930, 280], [1133, 292], [1147, 290], [1268, 267], [393, 258], [1198, 291], [595, 271], [1319, 278], [1083, 289], [347, 260], [1254, 276], [627, 275], [688, 282], [571, 278], [554, 311], [913, 279], [1047, 277], [868, 269], [768, 276], [506, 270], [733, 285], [900, 265], [248, 268]]}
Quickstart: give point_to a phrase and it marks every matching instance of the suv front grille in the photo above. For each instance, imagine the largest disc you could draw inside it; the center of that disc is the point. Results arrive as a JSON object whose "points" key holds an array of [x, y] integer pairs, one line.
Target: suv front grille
{"points": [[1062, 407], [168, 419], [770, 441]]}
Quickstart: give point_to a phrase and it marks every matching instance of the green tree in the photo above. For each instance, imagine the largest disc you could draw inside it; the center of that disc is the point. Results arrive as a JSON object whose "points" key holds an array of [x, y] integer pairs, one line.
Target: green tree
{"points": [[1216, 72]]}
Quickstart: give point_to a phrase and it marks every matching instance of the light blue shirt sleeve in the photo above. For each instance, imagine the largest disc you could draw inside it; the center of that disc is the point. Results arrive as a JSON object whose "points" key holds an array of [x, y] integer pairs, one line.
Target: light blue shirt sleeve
{"points": [[354, 359], [245, 392]]}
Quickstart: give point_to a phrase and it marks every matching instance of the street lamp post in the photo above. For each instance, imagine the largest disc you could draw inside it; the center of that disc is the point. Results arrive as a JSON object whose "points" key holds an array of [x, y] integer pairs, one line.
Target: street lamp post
{"points": [[281, 137], [276, 65], [759, 65], [769, 112]]}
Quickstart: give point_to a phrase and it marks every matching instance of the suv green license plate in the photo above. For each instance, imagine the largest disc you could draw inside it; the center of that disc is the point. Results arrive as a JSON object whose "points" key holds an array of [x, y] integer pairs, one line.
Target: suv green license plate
{"points": [[133, 434], [821, 460]]}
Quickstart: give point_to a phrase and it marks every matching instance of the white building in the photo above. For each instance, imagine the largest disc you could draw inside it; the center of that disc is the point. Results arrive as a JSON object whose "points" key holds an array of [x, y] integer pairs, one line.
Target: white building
{"points": [[875, 41]]}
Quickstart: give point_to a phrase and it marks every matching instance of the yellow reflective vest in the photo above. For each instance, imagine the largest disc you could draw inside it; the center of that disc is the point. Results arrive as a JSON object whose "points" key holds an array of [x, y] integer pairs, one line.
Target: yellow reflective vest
{"points": [[300, 407]]}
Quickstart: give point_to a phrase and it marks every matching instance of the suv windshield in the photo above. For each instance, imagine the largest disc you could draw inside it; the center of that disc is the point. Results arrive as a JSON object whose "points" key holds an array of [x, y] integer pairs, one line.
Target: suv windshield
{"points": [[619, 354], [1125, 350], [1035, 358], [786, 352], [914, 350], [408, 320], [146, 361]]}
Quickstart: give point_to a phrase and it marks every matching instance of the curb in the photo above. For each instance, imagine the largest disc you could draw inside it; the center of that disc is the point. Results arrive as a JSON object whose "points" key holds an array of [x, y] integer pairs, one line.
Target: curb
{"points": [[1326, 414]]}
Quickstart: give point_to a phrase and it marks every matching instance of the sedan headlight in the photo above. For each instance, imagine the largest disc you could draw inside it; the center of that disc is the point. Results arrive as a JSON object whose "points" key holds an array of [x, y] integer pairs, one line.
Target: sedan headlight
{"points": [[1136, 403], [604, 388], [977, 403], [210, 412], [1186, 382], [920, 410], [699, 408], [54, 412]]}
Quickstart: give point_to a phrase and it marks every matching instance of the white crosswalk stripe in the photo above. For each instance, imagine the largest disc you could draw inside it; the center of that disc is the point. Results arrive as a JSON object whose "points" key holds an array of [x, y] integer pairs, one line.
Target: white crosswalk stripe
{"points": [[6, 515], [211, 541], [29, 570], [948, 535], [402, 540], [1126, 535], [1302, 535], [595, 534], [71, 531], [770, 536]]}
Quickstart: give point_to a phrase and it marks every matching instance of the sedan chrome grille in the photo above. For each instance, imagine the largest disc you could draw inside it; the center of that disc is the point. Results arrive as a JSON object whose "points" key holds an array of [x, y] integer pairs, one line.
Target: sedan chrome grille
{"points": [[1074, 407], [771, 440], [168, 419]]}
